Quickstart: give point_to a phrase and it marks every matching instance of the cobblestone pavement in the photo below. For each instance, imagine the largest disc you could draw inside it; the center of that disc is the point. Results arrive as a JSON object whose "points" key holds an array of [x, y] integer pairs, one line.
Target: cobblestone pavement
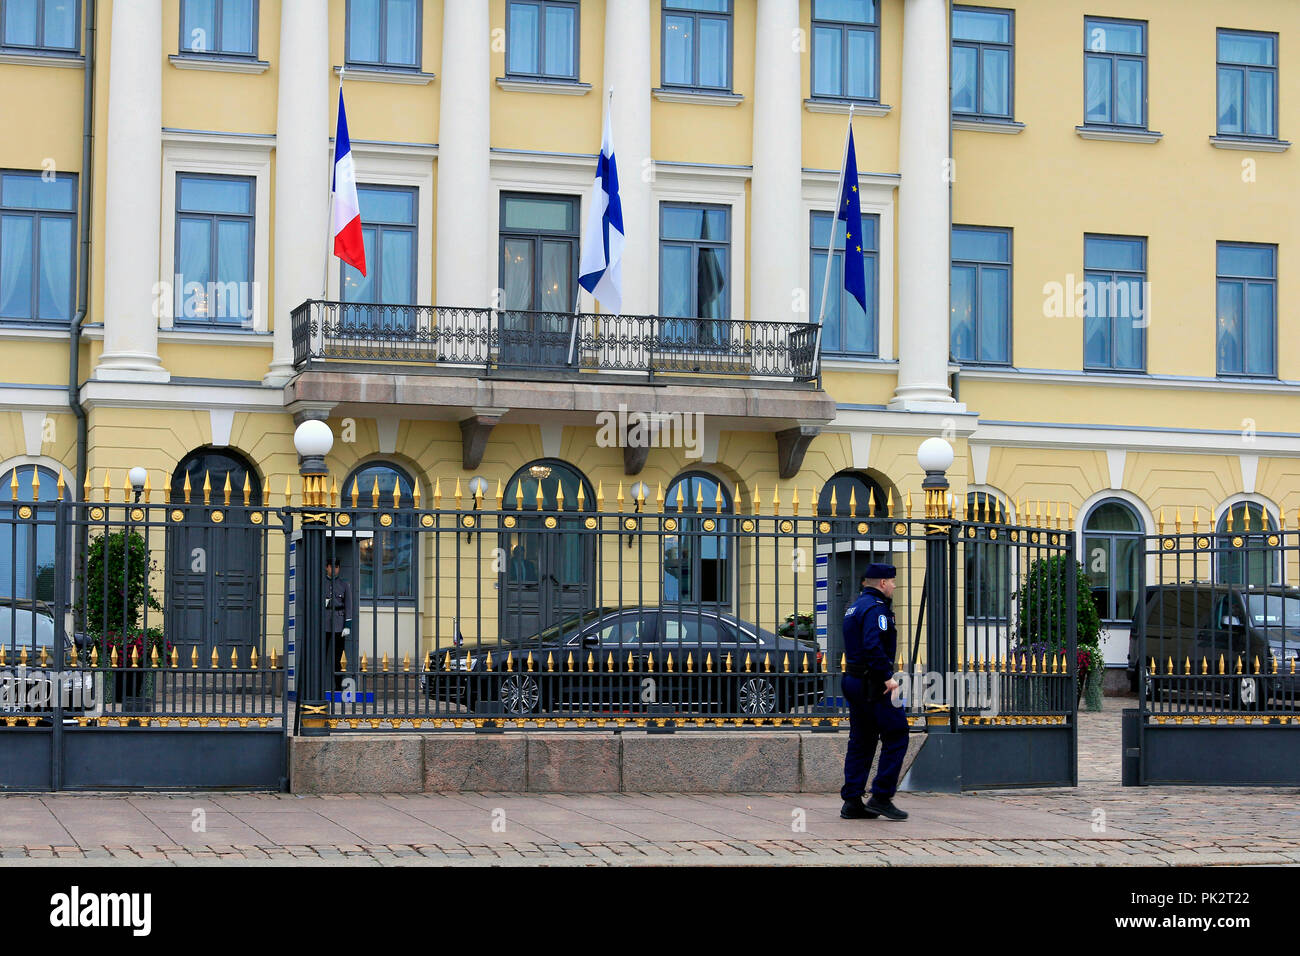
{"points": [[1099, 823]]}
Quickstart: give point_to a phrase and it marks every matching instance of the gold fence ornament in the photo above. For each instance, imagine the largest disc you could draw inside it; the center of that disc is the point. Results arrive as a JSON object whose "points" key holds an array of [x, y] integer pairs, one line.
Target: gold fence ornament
{"points": [[374, 493], [107, 486], [252, 659], [215, 663]]}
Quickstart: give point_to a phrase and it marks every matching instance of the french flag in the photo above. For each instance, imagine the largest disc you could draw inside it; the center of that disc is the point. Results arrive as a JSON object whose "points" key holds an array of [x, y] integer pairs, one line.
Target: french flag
{"points": [[348, 243]]}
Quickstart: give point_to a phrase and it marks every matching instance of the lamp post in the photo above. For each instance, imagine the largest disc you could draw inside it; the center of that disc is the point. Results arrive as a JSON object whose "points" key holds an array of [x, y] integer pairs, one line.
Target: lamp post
{"points": [[313, 440], [138, 476], [640, 492], [935, 456], [478, 489]]}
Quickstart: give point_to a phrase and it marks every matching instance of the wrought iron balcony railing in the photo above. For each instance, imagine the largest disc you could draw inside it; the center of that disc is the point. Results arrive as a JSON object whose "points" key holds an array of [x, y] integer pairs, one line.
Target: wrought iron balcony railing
{"points": [[552, 344]]}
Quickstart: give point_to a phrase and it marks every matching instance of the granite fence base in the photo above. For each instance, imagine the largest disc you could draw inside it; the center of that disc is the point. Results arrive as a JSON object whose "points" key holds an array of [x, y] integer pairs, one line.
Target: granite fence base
{"points": [[560, 762]]}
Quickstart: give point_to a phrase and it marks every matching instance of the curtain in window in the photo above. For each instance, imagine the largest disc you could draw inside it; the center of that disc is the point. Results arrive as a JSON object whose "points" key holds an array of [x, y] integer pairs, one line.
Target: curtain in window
{"points": [[675, 282], [192, 262], [1259, 118], [712, 284], [1230, 308], [963, 313], [523, 38], [559, 41], [20, 22], [997, 69], [1230, 97], [233, 242], [1128, 100], [1259, 328], [16, 267], [1097, 90], [963, 79], [995, 306], [401, 33], [56, 269], [678, 52], [237, 26], [200, 26], [363, 30], [862, 65], [518, 274], [60, 23], [557, 267]]}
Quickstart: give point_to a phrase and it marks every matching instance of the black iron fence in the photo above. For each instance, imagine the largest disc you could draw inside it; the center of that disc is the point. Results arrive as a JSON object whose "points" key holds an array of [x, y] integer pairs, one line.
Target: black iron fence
{"points": [[552, 344]]}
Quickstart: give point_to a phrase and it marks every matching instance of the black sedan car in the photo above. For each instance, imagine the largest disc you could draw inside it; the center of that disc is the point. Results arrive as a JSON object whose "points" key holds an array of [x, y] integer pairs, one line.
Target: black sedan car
{"points": [[29, 685], [630, 660]]}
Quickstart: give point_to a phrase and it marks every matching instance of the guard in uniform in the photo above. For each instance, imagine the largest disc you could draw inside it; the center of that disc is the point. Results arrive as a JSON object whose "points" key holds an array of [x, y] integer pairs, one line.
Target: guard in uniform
{"points": [[870, 646], [339, 612]]}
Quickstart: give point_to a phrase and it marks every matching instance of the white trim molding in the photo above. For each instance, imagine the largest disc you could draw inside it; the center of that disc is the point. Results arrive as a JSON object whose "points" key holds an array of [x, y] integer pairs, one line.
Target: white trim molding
{"points": [[1119, 135], [1138, 380], [513, 84], [1261, 145], [840, 106], [70, 62], [218, 64], [876, 194], [373, 75], [988, 126], [244, 398], [187, 151], [698, 99]]}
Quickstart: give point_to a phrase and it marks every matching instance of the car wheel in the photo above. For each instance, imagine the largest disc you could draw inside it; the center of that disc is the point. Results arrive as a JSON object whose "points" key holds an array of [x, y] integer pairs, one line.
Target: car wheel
{"points": [[757, 695], [520, 694]]}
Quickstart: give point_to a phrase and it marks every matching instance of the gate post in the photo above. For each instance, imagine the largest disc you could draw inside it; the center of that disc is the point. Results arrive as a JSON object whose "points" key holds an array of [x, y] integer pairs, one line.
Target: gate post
{"points": [[313, 440]]}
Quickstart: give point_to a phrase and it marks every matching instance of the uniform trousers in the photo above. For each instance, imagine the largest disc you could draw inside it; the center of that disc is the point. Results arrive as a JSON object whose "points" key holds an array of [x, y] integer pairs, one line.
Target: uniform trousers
{"points": [[872, 719]]}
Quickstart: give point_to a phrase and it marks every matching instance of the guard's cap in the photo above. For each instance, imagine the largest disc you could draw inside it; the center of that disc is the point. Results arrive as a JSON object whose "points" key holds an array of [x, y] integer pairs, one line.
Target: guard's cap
{"points": [[880, 571]]}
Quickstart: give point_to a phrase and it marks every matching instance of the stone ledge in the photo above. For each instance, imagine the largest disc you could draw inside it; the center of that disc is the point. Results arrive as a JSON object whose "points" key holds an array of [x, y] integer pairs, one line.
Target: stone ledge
{"points": [[365, 763]]}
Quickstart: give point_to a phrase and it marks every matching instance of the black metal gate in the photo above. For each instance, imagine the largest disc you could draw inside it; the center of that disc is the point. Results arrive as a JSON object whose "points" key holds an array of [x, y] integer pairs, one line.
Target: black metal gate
{"points": [[98, 688], [1213, 655]]}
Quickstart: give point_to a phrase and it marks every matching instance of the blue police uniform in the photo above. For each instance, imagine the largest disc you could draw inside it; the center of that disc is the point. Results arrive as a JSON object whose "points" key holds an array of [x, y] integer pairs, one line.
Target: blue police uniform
{"points": [[870, 647]]}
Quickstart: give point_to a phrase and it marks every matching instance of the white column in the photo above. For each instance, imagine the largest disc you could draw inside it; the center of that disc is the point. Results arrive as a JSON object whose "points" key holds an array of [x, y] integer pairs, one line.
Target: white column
{"points": [[923, 214], [627, 70], [775, 253], [302, 181], [465, 277], [133, 196]]}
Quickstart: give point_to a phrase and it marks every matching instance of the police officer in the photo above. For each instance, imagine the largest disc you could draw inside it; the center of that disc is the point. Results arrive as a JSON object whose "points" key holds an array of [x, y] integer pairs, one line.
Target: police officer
{"points": [[870, 645], [339, 612]]}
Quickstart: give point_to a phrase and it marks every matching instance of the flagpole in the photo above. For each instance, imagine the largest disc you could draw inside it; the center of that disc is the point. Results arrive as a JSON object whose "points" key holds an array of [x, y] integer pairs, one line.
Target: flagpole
{"points": [[577, 294], [830, 246], [329, 208]]}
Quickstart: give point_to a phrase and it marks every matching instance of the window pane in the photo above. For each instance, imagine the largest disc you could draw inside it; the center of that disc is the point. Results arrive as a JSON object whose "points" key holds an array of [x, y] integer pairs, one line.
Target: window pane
{"points": [[354, 286], [387, 205], [1112, 516], [831, 320], [1128, 329], [859, 330], [981, 245], [234, 240], [995, 309], [363, 30], [523, 38], [199, 34], [826, 61], [870, 225], [1128, 554], [1097, 90], [214, 195], [396, 285], [22, 191], [1125, 254], [982, 26], [1229, 321], [675, 281], [821, 232], [964, 68], [1245, 261], [56, 269], [237, 26], [559, 41], [193, 262], [517, 274], [1259, 328], [20, 22], [61, 23], [861, 81], [852, 11], [1128, 95], [712, 284], [682, 223], [1097, 560], [1096, 341], [557, 269], [1230, 100], [678, 50], [16, 267], [1259, 103], [1114, 37], [715, 225], [527, 213], [963, 313], [996, 86], [401, 33], [713, 51], [1245, 48]]}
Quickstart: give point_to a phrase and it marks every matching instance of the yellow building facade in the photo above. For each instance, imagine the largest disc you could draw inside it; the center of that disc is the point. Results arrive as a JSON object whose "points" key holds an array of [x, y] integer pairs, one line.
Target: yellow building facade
{"points": [[1079, 218]]}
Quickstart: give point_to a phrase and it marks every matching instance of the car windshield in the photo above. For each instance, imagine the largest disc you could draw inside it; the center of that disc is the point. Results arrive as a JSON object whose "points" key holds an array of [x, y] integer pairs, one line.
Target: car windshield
{"points": [[18, 623], [1274, 610]]}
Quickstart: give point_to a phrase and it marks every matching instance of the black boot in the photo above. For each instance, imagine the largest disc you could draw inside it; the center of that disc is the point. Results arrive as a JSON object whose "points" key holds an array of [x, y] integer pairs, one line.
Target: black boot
{"points": [[854, 810], [884, 806]]}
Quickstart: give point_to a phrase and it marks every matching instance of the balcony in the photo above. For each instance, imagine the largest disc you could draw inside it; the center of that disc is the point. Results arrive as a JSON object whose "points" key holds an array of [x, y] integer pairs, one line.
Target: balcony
{"points": [[480, 367], [552, 345]]}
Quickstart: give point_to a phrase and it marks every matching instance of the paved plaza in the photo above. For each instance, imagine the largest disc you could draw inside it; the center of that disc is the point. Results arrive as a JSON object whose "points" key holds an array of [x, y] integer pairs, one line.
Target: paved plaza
{"points": [[1099, 823]]}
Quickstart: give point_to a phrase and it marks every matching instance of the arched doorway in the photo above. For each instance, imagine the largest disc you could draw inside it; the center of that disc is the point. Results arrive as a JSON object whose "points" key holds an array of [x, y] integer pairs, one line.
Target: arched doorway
{"points": [[548, 575], [848, 498], [214, 571], [697, 566]]}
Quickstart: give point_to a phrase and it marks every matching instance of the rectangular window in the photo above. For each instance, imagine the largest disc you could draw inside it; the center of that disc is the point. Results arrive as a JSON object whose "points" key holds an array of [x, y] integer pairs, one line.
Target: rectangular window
{"points": [[697, 44], [542, 39], [219, 27], [388, 228], [1115, 73], [1114, 324], [1247, 309], [694, 274], [539, 278], [384, 33], [845, 50], [846, 328], [1247, 84], [982, 62], [214, 250], [41, 25], [981, 295], [37, 246]]}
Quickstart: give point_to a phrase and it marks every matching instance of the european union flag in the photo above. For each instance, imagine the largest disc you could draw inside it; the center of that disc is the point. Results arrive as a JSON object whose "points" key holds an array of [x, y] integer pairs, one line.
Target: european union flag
{"points": [[855, 272]]}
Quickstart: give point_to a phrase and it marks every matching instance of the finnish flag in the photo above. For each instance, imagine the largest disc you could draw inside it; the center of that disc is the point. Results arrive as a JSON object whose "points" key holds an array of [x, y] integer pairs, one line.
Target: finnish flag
{"points": [[600, 268]]}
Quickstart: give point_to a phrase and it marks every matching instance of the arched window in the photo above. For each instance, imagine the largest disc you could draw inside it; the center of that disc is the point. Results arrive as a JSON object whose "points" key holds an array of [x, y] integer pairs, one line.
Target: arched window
{"points": [[1112, 555], [559, 482], [27, 552], [385, 557], [1243, 552], [696, 561], [988, 560], [855, 494]]}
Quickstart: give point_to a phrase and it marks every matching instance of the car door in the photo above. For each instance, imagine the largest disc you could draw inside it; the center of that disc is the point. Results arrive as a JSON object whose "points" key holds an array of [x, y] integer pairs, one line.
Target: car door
{"points": [[608, 685]]}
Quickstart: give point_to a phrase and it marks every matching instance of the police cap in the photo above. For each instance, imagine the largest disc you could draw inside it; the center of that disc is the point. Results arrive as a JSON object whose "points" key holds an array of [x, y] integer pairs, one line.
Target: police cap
{"points": [[875, 571]]}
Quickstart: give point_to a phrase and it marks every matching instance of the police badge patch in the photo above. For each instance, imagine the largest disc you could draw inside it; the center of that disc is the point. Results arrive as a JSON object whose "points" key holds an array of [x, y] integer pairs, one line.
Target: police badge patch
{"points": [[883, 623]]}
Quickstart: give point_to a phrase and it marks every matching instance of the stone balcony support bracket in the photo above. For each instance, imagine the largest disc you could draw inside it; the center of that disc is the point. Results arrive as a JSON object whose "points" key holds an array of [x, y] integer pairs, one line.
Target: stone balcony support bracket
{"points": [[474, 434], [791, 445]]}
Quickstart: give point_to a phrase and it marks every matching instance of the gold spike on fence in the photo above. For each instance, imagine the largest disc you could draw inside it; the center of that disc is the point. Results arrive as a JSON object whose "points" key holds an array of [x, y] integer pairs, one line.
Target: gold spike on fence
{"points": [[582, 497], [805, 662], [909, 503], [1238, 663], [785, 664], [1205, 666], [374, 493], [225, 491], [659, 497], [690, 663], [1169, 666], [1246, 519], [631, 665], [234, 658], [500, 497], [550, 661], [670, 662], [215, 663], [365, 662], [776, 499], [757, 504], [853, 502], [609, 661], [591, 661], [727, 663], [397, 494], [510, 661], [569, 663], [748, 667], [529, 663], [559, 495], [72, 656], [708, 663], [650, 662], [334, 492], [135, 656], [1187, 665], [383, 662], [794, 501], [1256, 664], [252, 659], [288, 492], [767, 662]]}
